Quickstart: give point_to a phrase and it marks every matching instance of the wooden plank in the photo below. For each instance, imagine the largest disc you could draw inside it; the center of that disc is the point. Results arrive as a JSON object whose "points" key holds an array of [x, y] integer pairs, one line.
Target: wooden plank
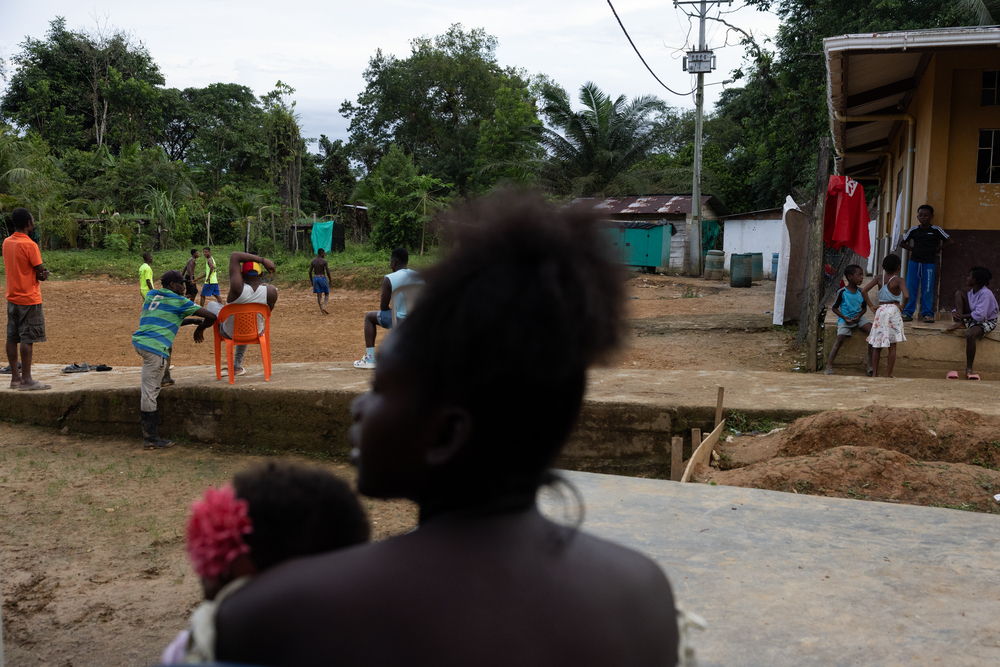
{"points": [[704, 451], [676, 458], [718, 406]]}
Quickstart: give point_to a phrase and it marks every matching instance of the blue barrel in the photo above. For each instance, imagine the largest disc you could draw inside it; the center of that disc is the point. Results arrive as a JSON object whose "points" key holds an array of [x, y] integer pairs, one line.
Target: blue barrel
{"points": [[774, 266], [757, 266], [740, 270]]}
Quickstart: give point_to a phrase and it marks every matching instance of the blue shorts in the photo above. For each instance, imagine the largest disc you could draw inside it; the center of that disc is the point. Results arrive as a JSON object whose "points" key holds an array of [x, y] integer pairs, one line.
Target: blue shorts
{"points": [[385, 319], [321, 285], [210, 289]]}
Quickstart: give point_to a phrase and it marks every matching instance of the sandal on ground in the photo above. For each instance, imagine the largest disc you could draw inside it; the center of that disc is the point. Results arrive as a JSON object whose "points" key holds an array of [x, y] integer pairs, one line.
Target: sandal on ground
{"points": [[6, 369], [928, 320], [101, 367], [907, 318], [167, 382], [972, 376], [952, 375], [77, 368]]}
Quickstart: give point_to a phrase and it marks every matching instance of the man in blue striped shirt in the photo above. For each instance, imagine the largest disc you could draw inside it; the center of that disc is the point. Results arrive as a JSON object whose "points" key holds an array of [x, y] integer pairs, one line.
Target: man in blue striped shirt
{"points": [[164, 311]]}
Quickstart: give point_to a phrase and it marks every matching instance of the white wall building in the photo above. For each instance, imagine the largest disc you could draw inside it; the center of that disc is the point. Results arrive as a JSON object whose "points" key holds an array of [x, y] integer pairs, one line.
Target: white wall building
{"points": [[756, 231]]}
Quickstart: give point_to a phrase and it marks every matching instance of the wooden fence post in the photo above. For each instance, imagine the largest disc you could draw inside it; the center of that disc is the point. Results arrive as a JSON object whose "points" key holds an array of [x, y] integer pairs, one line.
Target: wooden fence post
{"points": [[677, 458]]}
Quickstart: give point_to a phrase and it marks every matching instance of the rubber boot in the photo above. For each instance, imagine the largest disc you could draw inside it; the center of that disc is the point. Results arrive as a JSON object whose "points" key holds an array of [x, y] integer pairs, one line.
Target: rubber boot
{"points": [[150, 428]]}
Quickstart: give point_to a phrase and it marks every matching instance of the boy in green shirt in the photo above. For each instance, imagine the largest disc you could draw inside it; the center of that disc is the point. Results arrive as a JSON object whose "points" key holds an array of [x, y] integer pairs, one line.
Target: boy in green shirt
{"points": [[164, 311], [146, 274]]}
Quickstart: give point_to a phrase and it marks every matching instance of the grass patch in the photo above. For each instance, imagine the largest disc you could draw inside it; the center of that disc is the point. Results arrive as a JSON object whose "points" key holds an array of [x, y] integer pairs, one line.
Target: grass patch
{"points": [[358, 267], [740, 422]]}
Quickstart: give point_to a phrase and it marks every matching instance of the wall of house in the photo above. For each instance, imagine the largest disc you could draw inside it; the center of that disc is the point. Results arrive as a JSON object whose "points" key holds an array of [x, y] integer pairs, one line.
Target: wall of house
{"points": [[741, 236]]}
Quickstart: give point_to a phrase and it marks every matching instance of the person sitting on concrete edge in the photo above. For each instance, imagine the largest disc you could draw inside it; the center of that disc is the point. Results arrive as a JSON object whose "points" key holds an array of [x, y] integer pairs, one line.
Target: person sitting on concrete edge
{"points": [[400, 276], [145, 275], [319, 275], [163, 313], [22, 261], [850, 306], [977, 311], [246, 285], [211, 285]]}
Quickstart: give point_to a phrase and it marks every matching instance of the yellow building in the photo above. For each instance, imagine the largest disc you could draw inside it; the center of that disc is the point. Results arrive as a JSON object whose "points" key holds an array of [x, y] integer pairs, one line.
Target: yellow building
{"points": [[915, 117]]}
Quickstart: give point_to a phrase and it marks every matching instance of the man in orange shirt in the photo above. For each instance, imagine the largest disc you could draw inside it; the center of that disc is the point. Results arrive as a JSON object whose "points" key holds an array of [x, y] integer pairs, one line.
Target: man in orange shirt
{"points": [[22, 262]]}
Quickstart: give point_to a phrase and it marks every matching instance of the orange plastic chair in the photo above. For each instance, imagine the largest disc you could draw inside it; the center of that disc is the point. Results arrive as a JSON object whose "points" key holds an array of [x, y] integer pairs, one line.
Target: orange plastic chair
{"points": [[244, 333]]}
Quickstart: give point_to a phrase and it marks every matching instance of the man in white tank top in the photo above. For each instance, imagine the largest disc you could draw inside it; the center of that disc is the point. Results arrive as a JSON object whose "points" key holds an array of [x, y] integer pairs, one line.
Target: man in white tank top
{"points": [[246, 286], [401, 276]]}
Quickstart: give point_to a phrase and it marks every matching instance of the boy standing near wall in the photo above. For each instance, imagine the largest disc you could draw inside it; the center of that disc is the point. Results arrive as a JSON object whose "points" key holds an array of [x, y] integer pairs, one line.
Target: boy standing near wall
{"points": [[924, 242], [163, 312]]}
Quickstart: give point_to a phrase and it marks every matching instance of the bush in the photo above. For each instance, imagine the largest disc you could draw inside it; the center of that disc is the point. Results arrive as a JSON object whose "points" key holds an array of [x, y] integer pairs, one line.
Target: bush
{"points": [[116, 243]]}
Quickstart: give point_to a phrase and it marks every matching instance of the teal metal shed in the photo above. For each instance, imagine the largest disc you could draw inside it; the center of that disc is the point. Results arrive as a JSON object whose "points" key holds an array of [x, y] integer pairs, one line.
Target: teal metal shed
{"points": [[640, 244]]}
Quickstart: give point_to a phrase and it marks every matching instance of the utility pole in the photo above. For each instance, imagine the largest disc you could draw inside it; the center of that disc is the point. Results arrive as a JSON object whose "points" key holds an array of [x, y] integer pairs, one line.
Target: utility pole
{"points": [[698, 62]]}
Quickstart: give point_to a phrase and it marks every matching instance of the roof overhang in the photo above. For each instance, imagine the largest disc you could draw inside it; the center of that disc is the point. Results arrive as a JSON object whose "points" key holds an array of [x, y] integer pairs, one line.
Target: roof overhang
{"points": [[872, 77]]}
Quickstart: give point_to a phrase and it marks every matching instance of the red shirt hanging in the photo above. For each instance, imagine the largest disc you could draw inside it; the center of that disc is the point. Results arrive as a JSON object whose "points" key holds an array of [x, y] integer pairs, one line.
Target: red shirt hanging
{"points": [[845, 223]]}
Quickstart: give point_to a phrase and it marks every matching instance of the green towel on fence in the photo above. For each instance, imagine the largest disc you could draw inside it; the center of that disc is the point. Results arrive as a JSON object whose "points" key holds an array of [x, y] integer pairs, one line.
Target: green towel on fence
{"points": [[322, 236]]}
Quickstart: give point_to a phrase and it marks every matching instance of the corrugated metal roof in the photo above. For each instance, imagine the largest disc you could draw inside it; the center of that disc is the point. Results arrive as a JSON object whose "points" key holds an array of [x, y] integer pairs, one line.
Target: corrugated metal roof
{"points": [[651, 205]]}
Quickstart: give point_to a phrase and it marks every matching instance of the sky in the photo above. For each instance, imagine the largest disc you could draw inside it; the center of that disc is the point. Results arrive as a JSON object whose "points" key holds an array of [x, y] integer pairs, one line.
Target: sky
{"points": [[321, 48]]}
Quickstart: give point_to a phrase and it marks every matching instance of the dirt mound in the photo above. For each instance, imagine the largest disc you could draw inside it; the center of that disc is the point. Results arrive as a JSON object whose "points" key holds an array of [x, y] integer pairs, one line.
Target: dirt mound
{"points": [[946, 458], [954, 435], [871, 473]]}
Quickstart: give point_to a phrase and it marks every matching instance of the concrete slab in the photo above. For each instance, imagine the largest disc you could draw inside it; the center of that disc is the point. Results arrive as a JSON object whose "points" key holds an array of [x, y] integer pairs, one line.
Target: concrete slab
{"points": [[628, 415], [787, 579]]}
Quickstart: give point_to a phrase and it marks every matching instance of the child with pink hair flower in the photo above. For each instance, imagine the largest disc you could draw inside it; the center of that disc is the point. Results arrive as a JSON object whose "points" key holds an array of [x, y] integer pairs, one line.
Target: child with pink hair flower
{"points": [[268, 515]]}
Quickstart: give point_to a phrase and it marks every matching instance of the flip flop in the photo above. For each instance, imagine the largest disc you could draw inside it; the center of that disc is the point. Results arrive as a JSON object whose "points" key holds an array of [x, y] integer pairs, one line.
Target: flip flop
{"points": [[101, 367], [77, 368], [34, 386], [952, 375], [972, 376]]}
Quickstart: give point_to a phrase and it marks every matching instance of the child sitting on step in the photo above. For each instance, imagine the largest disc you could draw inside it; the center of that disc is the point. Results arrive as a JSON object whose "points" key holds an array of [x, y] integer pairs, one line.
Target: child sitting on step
{"points": [[270, 514], [850, 307], [977, 311]]}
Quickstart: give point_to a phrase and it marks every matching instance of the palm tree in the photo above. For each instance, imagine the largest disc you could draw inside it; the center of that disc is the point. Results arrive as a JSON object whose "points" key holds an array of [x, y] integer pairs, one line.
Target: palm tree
{"points": [[592, 150], [984, 10]]}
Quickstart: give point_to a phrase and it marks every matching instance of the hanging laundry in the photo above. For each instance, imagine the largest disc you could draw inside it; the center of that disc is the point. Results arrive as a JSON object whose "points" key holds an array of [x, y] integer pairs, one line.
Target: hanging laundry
{"points": [[845, 223], [322, 236]]}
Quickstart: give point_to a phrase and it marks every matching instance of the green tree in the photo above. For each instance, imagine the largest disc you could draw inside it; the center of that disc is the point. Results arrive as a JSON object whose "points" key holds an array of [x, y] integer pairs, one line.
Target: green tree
{"points": [[399, 200], [509, 148], [79, 90], [431, 104], [336, 181], [781, 110], [592, 151], [285, 146]]}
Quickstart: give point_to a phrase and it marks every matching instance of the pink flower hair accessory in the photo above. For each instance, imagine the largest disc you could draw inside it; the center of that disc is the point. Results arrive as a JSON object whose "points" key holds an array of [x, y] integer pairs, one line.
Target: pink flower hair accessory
{"points": [[215, 531]]}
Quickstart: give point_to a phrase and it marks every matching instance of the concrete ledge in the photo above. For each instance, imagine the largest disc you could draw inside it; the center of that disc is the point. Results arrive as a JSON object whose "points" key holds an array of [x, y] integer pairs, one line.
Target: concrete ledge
{"points": [[926, 345], [627, 421]]}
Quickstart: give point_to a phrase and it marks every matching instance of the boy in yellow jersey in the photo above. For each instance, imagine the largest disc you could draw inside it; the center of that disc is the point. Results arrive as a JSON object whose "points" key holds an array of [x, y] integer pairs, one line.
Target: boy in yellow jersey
{"points": [[145, 274], [211, 285]]}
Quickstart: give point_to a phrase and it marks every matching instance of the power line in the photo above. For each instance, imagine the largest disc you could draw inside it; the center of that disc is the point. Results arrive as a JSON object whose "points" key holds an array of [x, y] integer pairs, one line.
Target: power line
{"points": [[640, 55]]}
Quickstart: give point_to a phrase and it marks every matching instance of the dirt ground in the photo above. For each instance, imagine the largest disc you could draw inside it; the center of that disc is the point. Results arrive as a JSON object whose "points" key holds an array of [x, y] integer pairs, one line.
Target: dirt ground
{"points": [[678, 323], [92, 561], [943, 458]]}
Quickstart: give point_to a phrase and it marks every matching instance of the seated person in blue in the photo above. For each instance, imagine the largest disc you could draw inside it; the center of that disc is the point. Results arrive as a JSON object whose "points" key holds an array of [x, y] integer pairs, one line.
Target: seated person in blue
{"points": [[401, 276]]}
